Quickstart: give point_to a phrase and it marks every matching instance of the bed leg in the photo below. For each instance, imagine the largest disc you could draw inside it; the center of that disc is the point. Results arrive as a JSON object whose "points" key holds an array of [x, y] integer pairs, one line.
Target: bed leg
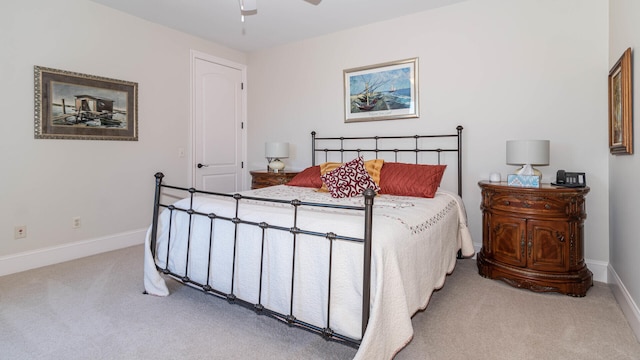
{"points": [[156, 209], [460, 254], [366, 281]]}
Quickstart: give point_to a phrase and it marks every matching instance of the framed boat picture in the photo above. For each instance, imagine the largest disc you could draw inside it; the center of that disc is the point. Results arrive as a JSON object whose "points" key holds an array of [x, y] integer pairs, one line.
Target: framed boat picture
{"points": [[70, 105], [382, 91]]}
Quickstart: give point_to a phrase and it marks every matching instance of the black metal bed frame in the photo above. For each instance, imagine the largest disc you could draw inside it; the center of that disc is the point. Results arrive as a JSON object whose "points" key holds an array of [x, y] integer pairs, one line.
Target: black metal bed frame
{"points": [[411, 147], [258, 307]]}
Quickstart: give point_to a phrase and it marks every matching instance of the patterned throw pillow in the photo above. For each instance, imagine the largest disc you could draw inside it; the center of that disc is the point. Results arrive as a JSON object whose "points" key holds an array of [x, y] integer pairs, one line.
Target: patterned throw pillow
{"points": [[350, 179], [372, 166]]}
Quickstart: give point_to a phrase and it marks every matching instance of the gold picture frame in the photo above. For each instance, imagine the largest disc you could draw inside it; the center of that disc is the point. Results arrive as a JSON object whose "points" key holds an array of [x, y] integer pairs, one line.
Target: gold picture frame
{"points": [[382, 91], [71, 105], [621, 106]]}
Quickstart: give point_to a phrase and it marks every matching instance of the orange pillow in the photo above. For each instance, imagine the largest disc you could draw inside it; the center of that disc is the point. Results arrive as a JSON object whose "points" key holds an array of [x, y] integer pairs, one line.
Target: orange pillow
{"points": [[373, 167], [410, 179], [309, 177]]}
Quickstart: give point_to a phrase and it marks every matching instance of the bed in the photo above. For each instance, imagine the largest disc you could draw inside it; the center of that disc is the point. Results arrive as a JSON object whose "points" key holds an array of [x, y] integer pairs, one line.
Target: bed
{"points": [[352, 268]]}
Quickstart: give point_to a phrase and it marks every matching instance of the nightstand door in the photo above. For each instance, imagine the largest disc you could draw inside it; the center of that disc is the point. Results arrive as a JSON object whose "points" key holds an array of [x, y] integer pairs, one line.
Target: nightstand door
{"points": [[548, 245], [508, 239]]}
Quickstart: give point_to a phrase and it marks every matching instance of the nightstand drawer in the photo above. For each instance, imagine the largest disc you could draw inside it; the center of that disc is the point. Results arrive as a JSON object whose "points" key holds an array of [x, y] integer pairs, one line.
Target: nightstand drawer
{"points": [[515, 203], [260, 179]]}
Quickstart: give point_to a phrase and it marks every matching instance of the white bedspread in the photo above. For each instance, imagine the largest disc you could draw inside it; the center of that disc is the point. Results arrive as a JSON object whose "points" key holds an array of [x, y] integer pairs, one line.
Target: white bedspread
{"points": [[414, 246]]}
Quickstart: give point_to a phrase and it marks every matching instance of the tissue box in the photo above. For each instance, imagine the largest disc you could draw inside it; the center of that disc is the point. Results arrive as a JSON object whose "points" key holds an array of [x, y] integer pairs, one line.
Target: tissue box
{"points": [[523, 180]]}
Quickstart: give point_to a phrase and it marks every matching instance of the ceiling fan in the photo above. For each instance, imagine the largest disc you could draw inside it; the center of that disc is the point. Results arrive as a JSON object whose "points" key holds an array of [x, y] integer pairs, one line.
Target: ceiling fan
{"points": [[250, 7]]}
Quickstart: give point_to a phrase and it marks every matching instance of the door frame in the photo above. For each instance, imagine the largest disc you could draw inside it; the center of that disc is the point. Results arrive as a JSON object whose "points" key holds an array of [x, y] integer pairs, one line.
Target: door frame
{"points": [[194, 55]]}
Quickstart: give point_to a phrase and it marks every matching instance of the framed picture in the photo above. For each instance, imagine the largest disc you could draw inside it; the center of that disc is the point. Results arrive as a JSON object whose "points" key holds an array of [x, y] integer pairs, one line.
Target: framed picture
{"points": [[620, 106], [70, 105], [382, 91]]}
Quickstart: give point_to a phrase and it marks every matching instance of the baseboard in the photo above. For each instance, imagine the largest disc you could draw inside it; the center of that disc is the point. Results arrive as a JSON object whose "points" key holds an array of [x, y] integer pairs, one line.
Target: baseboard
{"points": [[627, 304], [56, 254], [599, 270]]}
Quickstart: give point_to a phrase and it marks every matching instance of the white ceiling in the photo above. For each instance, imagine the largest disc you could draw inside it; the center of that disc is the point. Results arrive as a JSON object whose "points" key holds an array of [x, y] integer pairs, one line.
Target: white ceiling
{"points": [[277, 21]]}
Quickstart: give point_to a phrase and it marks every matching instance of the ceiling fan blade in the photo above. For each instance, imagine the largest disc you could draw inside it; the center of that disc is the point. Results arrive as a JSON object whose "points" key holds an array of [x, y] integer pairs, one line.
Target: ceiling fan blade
{"points": [[248, 12], [248, 7], [313, 2]]}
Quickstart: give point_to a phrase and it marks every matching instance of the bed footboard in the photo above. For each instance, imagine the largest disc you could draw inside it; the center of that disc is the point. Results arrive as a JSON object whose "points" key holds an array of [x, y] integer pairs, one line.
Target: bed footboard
{"points": [[258, 307]]}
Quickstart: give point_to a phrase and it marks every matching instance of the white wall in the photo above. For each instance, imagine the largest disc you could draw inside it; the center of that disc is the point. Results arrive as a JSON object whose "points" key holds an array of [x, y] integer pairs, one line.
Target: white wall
{"points": [[624, 32], [109, 184], [503, 69]]}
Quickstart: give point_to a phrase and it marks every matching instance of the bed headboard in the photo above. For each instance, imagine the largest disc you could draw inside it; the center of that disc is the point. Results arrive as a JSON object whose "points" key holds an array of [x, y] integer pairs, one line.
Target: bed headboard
{"points": [[408, 148]]}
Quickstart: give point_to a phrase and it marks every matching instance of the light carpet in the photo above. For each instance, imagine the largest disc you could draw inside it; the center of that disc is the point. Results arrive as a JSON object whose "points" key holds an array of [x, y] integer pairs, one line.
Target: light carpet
{"points": [[93, 308]]}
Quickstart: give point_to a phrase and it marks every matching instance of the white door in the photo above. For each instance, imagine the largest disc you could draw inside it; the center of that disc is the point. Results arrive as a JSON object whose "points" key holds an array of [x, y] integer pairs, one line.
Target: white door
{"points": [[218, 130]]}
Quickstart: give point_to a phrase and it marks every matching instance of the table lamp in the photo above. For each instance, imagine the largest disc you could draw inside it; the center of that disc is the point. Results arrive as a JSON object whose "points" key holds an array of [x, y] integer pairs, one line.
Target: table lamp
{"points": [[528, 153], [274, 151]]}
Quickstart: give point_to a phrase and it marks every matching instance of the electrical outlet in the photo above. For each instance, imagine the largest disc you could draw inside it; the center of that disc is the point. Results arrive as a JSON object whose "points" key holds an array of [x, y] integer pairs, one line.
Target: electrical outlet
{"points": [[20, 232], [180, 152], [75, 222]]}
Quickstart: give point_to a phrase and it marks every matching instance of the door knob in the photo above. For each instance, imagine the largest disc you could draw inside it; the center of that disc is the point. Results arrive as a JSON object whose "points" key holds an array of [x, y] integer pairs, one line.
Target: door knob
{"points": [[201, 165]]}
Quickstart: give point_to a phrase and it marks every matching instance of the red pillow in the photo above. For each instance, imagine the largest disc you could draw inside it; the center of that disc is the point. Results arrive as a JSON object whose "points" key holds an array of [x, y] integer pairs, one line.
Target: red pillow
{"points": [[309, 177], [410, 179]]}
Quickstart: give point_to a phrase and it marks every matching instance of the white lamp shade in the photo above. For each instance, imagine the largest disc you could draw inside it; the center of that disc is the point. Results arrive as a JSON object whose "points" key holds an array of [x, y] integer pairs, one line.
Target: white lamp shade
{"points": [[528, 152], [277, 150]]}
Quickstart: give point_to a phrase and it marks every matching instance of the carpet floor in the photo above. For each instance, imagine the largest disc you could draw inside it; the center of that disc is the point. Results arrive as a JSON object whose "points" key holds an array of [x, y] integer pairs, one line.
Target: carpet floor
{"points": [[93, 308]]}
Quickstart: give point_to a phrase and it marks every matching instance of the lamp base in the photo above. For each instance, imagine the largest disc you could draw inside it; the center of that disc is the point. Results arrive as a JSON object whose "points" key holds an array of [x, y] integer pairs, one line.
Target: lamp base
{"points": [[276, 165], [528, 170]]}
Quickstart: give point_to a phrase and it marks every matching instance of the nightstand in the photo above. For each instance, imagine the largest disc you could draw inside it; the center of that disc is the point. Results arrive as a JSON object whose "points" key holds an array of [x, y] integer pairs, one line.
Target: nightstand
{"points": [[262, 178], [533, 238]]}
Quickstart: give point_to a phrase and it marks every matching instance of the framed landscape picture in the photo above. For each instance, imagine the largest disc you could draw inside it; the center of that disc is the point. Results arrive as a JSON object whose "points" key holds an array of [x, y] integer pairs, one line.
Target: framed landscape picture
{"points": [[620, 106], [70, 105], [382, 91]]}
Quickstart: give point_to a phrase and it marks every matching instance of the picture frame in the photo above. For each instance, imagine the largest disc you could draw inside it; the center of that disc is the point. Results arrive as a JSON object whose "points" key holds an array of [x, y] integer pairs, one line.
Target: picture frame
{"points": [[621, 106], [70, 105], [382, 91]]}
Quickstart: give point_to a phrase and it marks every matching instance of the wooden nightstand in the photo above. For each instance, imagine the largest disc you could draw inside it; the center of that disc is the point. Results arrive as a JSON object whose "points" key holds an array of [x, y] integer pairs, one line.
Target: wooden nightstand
{"points": [[533, 238], [262, 178]]}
